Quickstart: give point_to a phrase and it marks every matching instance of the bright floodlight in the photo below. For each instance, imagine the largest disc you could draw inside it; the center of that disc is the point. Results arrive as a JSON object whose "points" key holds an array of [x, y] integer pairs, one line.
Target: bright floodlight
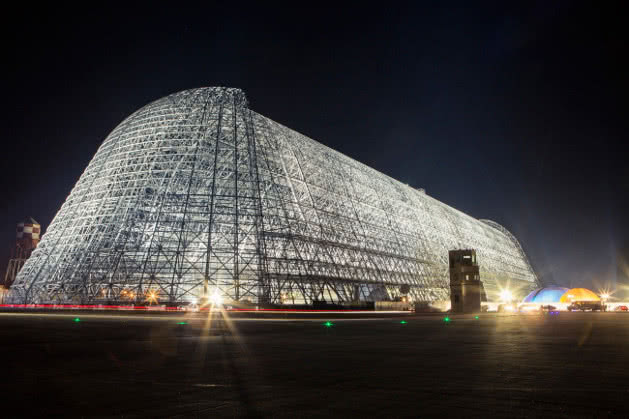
{"points": [[151, 296], [506, 296], [216, 299]]}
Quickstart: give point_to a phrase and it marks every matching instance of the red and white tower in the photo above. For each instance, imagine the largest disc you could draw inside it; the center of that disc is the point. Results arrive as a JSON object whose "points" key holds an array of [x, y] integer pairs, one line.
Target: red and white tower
{"points": [[27, 238]]}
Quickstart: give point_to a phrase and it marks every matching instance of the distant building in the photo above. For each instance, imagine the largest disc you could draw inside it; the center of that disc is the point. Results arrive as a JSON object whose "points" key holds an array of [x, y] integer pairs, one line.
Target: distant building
{"points": [[26, 240], [195, 193]]}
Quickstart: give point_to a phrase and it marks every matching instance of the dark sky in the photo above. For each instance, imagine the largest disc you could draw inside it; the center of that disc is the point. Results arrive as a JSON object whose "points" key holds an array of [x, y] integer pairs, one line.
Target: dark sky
{"points": [[512, 113]]}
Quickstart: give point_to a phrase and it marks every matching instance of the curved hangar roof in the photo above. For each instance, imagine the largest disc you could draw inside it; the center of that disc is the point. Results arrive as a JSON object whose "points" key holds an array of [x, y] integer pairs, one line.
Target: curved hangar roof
{"points": [[196, 193], [560, 295]]}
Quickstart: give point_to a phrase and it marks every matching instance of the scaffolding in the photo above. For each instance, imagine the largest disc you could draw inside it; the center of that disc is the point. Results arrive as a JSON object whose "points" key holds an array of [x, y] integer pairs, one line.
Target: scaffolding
{"points": [[195, 193]]}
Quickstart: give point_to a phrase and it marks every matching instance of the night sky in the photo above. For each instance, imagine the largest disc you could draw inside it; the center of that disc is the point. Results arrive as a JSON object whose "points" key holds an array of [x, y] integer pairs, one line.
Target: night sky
{"points": [[504, 112]]}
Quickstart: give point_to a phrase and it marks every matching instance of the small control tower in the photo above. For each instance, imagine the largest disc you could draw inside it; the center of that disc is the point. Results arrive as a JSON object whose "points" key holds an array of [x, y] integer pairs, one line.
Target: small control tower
{"points": [[465, 285]]}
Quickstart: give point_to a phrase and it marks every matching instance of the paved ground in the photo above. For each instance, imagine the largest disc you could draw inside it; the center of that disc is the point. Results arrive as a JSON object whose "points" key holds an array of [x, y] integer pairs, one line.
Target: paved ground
{"points": [[566, 365]]}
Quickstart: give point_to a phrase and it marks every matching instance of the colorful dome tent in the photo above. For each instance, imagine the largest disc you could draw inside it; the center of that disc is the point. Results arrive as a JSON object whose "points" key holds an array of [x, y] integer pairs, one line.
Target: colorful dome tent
{"points": [[579, 294], [560, 295], [545, 295]]}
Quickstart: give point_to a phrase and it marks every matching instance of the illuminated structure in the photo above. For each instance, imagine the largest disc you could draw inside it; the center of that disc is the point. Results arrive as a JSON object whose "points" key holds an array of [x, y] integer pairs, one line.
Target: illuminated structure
{"points": [[196, 194], [545, 295], [560, 295], [579, 294]]}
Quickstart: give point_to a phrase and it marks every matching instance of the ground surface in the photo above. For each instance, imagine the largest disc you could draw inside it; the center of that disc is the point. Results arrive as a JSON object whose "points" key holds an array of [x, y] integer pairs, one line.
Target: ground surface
{"points": [[566, 365]]}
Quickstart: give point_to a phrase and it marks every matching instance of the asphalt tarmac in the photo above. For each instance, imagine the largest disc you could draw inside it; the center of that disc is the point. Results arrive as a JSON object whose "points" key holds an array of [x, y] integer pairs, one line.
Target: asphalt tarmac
{"points": [[143, 365]]}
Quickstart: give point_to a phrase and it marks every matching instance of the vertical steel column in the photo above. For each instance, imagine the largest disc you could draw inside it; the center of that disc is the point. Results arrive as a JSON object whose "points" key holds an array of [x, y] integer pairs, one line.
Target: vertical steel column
{"points": [[206, 279]]}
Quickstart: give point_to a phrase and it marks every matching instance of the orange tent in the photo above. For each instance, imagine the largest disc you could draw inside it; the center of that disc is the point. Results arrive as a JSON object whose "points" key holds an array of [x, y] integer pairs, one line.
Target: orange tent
{"points": [[578, 294]]}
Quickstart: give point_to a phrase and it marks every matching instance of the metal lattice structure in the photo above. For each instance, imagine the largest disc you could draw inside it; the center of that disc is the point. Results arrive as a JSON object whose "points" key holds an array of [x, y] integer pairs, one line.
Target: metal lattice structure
{"points": [[195, 192]]}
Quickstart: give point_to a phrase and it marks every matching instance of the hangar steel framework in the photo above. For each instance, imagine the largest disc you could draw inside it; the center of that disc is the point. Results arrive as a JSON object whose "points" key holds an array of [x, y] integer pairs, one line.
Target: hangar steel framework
{"points": [[196, 193]]}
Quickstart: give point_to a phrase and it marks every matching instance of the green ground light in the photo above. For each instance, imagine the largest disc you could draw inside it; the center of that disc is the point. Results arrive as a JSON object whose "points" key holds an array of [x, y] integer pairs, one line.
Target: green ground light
{"points": [[328, 324], [182, 323], [446, 319], [403, 322], [76, 320], [476, 317]]}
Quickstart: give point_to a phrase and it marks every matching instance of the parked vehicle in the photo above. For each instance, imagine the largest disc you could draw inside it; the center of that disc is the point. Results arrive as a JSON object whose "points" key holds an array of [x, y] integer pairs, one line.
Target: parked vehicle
{"points": [[586, 305]]}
